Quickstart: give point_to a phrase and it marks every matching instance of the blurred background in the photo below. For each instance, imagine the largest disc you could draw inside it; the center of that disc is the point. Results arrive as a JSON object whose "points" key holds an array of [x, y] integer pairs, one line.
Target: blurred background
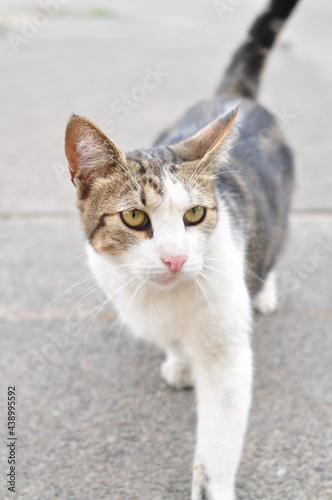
{"points": [[94, 418]]}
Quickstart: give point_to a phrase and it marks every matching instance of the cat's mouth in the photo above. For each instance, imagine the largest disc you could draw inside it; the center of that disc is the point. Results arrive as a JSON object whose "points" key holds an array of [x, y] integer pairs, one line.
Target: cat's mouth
{"points": [[167, 280]]}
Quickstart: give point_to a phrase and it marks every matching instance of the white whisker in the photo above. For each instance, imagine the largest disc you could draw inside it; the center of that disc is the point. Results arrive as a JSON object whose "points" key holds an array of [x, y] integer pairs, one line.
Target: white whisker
{"points": [[106, 301], [225, 151], [124, 167], [140, 284], [96, 287], [207, 298]]}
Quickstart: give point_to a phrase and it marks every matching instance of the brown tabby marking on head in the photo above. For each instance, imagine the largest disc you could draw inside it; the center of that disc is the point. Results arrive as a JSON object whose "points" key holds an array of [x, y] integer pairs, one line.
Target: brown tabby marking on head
{"points": [[100, 214], [107, 198], [110, 182], [111, 237]]}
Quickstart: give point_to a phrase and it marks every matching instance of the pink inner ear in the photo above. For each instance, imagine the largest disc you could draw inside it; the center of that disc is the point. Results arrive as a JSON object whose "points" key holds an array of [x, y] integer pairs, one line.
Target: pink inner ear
{"points": [[84, 152], [72, 140], [90, 153]]}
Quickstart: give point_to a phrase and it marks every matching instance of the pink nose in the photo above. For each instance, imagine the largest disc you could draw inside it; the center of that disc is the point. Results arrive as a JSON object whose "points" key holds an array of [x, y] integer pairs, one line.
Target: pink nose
{"points": [[175, 263]]}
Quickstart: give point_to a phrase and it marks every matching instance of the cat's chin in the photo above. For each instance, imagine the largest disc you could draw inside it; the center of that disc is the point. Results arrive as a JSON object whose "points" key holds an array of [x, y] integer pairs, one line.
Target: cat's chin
{"points": [[167, 282]]}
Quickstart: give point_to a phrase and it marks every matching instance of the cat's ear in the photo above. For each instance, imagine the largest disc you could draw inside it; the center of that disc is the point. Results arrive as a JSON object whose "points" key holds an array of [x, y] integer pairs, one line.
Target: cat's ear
{"points": [[90, 153], [210, 140]]}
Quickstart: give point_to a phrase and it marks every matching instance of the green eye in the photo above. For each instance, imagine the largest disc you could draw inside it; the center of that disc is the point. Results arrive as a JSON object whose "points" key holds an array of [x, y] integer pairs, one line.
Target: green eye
{"points": [[134, 218], [194, 216]]}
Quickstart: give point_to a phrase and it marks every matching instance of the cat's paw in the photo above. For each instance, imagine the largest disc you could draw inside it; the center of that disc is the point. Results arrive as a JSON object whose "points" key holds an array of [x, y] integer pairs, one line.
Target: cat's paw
{"points": [[204, 488], [177, 374], [266, 300], [200, 483]]}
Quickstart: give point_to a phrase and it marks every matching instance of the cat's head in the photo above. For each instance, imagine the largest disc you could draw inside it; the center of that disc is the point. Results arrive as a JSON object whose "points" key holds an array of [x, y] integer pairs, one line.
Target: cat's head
{"points": [[152, 210]]}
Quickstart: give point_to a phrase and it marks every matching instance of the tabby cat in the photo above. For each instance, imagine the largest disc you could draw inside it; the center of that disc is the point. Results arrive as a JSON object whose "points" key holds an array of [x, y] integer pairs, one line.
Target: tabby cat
{"points": [[184, 238]]}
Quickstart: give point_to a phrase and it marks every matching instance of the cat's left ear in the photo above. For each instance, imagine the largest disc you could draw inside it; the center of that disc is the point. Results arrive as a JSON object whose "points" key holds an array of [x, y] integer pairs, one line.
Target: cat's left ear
{"points": [[210, 141], [90, 154]]}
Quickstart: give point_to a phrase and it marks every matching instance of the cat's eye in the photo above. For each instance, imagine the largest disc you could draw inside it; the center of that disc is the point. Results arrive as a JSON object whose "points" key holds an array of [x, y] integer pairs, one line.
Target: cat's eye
{"points": [[194, 216], [137, 219]]}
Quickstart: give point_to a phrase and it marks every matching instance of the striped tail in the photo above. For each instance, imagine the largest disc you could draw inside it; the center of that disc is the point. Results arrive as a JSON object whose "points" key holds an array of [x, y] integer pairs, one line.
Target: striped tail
{"points": [[244, 73]]}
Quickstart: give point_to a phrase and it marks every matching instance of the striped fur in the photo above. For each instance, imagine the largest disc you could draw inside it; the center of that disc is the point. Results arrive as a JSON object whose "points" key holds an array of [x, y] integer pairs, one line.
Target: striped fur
{"points": [[244, 72]]}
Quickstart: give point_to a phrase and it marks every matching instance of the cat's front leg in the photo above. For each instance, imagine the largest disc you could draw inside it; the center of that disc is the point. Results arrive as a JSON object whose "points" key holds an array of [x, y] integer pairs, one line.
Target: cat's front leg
{"points": [[223, 385], [176, 369]]}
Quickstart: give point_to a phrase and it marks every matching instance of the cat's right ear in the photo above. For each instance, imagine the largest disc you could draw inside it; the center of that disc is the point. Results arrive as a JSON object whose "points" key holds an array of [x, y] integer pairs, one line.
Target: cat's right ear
{"points": [[90, 153]]}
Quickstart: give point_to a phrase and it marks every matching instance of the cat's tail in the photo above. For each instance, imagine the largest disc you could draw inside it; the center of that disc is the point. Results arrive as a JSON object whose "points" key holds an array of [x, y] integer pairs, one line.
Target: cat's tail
{"points": [[243, 75]]}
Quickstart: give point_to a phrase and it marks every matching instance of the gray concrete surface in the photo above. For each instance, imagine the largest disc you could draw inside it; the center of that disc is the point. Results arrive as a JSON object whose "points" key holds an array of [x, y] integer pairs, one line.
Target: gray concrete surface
{"points": [[94, 418]]}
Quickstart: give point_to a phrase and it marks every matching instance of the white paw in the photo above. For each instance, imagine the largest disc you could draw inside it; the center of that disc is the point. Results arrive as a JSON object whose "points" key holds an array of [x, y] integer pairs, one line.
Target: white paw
{"points": [[177, 374], [266, 299], [204, 488]]}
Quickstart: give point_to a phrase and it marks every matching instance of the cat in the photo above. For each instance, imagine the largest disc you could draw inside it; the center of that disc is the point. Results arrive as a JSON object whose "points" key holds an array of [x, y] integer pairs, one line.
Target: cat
{"points": [[184, 238]]}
